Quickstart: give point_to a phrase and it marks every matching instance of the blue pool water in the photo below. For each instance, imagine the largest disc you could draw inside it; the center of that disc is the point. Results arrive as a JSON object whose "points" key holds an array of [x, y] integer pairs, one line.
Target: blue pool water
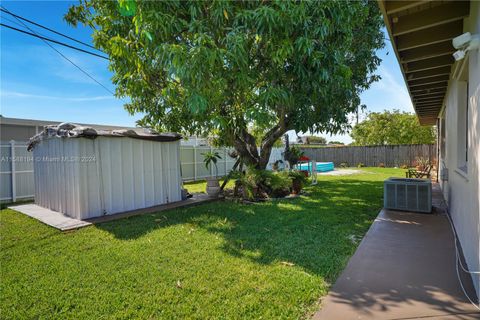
{"points": [[321, 166]]}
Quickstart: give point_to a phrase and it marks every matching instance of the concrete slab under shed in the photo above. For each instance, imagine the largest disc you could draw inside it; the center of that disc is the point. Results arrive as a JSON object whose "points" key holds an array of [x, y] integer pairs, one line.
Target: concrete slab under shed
{"points": [[52, 218], [198, 198]]}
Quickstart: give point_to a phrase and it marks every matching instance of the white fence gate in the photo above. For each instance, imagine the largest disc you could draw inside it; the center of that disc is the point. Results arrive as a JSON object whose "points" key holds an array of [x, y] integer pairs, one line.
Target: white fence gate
{"points": [[16, 171], [16, 167]]}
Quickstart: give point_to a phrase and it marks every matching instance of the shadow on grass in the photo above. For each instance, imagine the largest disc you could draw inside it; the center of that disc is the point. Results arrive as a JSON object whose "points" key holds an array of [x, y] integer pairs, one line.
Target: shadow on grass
{"points": [[5, 205], [317, 232]]}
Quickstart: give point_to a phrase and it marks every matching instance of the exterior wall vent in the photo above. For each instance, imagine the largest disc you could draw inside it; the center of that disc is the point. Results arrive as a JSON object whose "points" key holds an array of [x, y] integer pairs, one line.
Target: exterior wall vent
{"points": [[408, 194]]}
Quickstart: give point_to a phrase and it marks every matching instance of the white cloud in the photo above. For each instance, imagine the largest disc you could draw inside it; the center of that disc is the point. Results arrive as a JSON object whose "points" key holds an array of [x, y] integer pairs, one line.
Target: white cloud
{"points": [[388, 93], [14, 94]]}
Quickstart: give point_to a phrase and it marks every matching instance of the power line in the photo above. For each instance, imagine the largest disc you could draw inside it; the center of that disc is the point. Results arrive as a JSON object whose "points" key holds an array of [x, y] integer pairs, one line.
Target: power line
{"points": [[46, 28], [63, 56], [39, 35], [51, 40], [12, 21]]}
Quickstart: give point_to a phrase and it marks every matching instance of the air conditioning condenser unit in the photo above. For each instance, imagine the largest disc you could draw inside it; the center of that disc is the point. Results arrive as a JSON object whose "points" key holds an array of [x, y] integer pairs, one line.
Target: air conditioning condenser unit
{"points": [[408, 194]]}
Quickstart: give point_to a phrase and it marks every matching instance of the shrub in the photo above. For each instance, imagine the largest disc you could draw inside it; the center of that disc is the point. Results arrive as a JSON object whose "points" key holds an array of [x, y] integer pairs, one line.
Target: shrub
{"points": [[297, 175], [360, 165], [404, 166], [260, 183], [279, 183], [249, 181], [298, 180], [343, 165], [381, 165]]}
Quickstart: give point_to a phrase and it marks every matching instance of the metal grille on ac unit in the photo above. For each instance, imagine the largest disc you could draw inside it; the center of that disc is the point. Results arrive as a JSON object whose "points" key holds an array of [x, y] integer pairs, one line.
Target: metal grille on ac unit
{"points": [[408, 194]]}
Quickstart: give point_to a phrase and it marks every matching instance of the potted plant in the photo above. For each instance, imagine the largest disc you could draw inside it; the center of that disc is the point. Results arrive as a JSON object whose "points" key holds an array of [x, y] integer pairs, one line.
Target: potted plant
{"points": [[210, 158], [298, 180], [422, 163], [292, 155]]}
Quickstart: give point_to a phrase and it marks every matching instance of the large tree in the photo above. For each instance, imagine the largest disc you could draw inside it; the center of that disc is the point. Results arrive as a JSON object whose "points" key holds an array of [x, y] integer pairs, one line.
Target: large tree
{"points": [[392, 127], [199, 67], [316, 140]]}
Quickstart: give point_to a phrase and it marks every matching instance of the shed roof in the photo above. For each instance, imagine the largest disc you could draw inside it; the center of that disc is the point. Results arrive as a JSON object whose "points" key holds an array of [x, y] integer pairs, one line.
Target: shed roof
{"points": [[70, 130]]}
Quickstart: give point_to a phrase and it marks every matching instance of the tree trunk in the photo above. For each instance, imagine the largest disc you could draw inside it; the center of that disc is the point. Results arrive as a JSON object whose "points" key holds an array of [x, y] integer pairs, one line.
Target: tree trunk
{"points": [[246, 146], [260, 161]]}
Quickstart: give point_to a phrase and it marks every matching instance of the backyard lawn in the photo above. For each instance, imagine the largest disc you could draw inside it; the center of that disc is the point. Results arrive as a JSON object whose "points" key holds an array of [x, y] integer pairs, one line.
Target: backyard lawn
{"points": [[222, 260]]}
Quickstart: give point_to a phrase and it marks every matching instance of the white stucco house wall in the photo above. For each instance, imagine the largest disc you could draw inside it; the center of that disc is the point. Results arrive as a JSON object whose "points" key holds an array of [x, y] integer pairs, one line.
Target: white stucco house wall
{"points": [[459, 152], [445, 91]]}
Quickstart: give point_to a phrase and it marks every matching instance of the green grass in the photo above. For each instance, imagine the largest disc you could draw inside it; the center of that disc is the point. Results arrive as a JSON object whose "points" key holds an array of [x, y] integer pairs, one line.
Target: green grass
{"points": [[221, 260], [201, 185]]}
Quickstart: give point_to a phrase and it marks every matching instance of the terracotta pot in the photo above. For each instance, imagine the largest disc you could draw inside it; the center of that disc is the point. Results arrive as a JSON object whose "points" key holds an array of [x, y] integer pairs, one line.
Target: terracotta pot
{"points": [[296, 186], [213, 186]]}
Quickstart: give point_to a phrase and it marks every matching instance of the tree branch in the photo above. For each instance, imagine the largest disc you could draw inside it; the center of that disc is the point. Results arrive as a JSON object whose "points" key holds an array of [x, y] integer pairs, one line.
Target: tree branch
{"points": [[269, 139]]}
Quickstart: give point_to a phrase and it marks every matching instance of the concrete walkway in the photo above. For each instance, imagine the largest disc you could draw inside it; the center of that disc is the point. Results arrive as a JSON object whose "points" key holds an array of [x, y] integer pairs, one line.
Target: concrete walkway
{"points": [[404, 268]]}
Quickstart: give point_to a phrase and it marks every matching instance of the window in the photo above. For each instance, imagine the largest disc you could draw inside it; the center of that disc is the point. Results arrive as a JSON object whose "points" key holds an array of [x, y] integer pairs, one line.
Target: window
{"points": [[442, 137], [466, 123], [462, 126]]}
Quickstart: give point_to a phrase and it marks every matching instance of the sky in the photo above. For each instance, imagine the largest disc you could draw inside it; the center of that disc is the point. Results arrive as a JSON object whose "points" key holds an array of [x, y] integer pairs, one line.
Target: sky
{"points": [[37, 83]]}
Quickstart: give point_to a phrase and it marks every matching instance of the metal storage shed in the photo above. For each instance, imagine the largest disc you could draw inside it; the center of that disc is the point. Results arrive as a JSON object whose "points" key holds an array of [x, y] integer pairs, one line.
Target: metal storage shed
{"points": [[85, 173]]}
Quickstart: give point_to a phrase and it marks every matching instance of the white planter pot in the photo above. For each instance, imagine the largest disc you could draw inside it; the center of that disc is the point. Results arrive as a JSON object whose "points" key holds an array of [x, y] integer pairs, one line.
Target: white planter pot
{"points": [[213, 187]]}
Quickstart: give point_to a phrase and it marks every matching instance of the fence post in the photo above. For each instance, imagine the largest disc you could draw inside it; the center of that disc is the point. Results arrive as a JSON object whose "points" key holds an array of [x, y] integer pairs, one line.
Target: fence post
{"points": [[385, 157], [13, 169], [195, 162], [211, 167], [225, 159]]}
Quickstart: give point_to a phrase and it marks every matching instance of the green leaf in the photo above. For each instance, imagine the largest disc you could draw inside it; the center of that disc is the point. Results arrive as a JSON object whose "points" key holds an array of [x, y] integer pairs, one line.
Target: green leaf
{"points": [[229, 68], [148, 35], [127, 8]]}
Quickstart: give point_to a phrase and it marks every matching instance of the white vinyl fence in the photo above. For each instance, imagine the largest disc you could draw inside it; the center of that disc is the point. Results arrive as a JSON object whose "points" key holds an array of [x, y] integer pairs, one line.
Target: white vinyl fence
{"points": [[16, 177]]}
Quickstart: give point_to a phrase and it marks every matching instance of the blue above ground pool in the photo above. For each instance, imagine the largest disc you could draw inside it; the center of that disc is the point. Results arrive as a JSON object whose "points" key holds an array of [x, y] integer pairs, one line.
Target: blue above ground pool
{"points": [[321, 166]]}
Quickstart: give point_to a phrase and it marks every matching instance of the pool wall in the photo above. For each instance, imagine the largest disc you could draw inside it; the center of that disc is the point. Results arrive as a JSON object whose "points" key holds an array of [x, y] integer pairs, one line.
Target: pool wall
{"points": [[321, 166]]}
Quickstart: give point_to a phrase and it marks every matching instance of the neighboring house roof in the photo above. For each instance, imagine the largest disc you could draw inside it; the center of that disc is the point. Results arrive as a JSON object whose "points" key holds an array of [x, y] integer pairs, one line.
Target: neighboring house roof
{"points": [[42, 123], [421, 34]]}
